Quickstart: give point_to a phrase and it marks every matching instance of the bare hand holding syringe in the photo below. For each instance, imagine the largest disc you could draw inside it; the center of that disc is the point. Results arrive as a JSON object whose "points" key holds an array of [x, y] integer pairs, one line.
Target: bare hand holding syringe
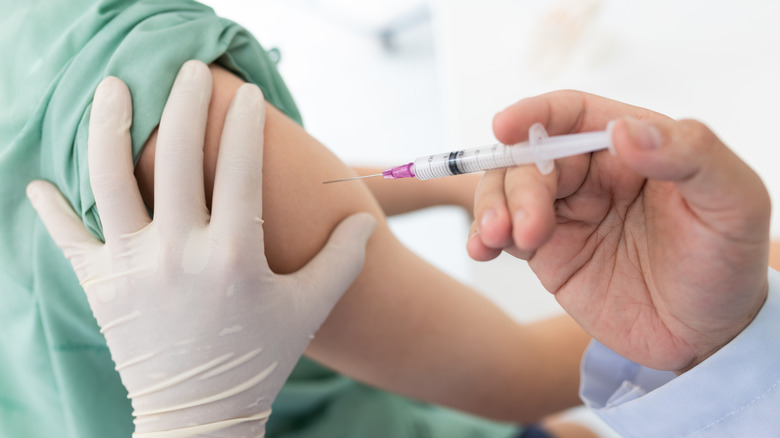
{"points": [[539, 149]]}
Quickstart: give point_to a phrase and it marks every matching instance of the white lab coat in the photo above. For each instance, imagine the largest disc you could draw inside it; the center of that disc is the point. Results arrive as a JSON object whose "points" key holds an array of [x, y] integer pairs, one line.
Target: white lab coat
{"points": [[733, 393]]}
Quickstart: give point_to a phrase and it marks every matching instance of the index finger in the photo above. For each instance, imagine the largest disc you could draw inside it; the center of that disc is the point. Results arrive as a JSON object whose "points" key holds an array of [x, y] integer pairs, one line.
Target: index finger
{"points": [[238, 184], [110, 159], [179, 194], [563, 112], [527, 196]]}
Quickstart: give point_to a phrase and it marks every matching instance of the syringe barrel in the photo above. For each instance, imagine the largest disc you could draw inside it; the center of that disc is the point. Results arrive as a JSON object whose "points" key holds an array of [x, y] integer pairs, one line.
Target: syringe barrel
{"points": [[539, 150], [472, 160]]}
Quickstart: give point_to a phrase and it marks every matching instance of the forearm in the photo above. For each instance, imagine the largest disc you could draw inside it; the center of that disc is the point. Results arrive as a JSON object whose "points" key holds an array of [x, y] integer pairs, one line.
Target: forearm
{"points": [[421, 333], [403, 325]]}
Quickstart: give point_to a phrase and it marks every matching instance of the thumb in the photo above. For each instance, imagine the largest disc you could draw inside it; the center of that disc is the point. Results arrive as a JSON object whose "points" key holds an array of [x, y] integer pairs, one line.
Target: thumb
{"points": [[336, 266], [62, 223], [714, 181]]}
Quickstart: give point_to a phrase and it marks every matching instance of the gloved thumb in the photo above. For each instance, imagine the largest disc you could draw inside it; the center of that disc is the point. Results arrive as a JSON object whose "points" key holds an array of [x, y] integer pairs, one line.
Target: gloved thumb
{"points": [[330, 273], [711, 178], [64, 226]]}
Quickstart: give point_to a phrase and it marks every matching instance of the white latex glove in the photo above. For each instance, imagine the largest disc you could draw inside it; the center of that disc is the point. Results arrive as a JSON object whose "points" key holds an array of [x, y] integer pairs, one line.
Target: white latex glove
{"points": [[202, 332]]}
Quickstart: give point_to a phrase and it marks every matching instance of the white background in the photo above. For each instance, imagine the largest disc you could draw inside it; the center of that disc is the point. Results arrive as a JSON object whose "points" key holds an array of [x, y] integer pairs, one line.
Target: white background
{"points": [[452, 64]]}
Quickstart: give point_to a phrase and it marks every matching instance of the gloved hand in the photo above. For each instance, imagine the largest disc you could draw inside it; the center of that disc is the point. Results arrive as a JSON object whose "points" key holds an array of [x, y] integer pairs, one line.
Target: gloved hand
{"points": [[202, 332]]}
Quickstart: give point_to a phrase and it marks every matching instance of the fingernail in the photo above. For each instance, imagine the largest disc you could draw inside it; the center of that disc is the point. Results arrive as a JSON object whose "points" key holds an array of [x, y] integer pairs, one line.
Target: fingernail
{"points": [[365, 226], [519, 216], [32, 193], [610, 127], [103, 103], [368, 228], [106, 89], [111, 106], [644, 135], [247, 100], [487, 217], [187, 71]]}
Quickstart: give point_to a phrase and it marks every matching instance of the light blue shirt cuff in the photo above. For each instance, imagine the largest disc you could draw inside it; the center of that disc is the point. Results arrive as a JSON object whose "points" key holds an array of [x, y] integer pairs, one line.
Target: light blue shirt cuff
{"points": [[735, 392]]}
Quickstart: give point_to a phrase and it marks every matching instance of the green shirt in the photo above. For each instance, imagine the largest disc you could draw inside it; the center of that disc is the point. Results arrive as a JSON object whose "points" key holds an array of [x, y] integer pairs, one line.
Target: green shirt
{"points": [[57, 378]]}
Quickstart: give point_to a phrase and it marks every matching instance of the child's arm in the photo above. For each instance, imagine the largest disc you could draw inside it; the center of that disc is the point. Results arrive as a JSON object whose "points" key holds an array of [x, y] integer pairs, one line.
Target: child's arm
{"points": [[403, 325], [774, 254], [409, 194]]}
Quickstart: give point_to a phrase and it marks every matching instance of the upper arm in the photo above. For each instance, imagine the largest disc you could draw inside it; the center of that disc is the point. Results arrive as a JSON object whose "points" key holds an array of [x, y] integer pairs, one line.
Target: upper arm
{"points": [[299, 211], [402, 320]]}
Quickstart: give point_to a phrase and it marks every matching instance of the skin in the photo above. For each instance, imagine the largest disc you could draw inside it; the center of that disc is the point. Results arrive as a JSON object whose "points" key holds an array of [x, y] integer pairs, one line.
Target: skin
{"points": [[659, 252], [402, 321], [774, 255], [409, 194]]}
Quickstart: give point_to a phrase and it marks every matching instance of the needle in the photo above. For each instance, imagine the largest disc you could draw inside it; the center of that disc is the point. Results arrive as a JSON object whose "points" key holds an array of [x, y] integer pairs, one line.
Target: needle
{"points": [[350, 179]]}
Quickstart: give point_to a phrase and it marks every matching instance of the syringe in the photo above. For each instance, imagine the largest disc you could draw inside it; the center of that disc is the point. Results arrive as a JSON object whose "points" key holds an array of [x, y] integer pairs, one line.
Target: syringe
{"points": [[539, 149]]}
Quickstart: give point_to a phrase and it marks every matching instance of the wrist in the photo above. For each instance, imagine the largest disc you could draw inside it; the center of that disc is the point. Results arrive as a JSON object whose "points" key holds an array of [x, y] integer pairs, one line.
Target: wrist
{"points": [[253, 425], [227, 398], [728, 336]]}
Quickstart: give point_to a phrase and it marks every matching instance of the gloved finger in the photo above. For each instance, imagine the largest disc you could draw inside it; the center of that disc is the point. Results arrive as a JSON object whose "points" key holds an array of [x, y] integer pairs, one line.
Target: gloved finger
{"points": [[237, 202], [62, 223], [709, 176], [111, 175], [179, 198], [330, 273]]}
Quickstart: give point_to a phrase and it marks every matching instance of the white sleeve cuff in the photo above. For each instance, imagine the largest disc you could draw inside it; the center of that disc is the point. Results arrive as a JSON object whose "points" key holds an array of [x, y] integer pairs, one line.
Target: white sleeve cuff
{"points": [[735, 391]]}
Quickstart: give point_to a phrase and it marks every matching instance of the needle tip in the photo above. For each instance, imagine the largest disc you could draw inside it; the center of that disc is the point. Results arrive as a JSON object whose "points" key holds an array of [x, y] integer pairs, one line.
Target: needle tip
{"points": [[350, 179]]}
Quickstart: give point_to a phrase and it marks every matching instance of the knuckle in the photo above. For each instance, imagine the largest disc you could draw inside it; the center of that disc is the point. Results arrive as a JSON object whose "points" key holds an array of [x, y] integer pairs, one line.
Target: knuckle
{"points": [[249, 116], [242, 163], [169, 259], [176, 141], [490, 188], [339, 249], [179, 148], [185, 95], [527, 182], [232, 260], [103, 124], [109, 182], [698, 136], [230, 263]]}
